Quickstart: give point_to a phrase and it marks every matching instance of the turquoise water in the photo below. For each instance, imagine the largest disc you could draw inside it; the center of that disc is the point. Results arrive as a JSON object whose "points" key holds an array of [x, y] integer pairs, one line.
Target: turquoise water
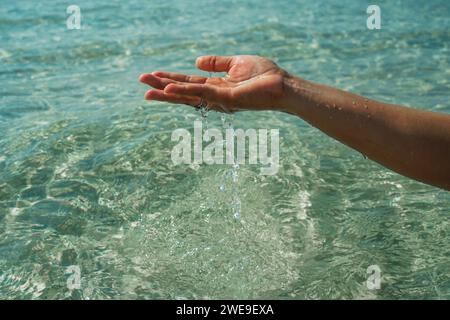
{"points": [[86, 178]]}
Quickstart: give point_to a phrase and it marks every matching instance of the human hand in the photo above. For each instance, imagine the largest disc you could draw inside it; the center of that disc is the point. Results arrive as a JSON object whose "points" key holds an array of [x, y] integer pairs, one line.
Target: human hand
{"points": [[251, 83]]}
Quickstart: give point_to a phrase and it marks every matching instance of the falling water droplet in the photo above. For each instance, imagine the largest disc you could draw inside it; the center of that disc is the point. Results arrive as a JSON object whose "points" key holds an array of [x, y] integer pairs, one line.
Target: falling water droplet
{"points": [[236, 208], [233, 173], [204, 113], [223, 119]]}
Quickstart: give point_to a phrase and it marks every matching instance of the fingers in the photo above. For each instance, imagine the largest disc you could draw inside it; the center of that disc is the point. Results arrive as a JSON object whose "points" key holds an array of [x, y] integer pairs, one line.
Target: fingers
{"points": [[160, 79], [160, 95], [204, 91], [214, 63], [179, 77], [154, 81]]}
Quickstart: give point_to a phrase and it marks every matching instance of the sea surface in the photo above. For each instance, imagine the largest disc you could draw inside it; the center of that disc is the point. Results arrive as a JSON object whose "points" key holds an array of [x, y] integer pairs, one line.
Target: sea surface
{"points": [[92, 207]]}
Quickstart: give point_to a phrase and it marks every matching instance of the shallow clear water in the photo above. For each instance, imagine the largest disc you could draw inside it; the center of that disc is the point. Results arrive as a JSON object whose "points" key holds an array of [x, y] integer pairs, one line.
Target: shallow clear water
{"points": [[86, 177]]}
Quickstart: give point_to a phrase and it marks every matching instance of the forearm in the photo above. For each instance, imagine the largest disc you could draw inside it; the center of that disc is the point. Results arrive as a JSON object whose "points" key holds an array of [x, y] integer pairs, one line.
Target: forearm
{"points": [[412, 142]]}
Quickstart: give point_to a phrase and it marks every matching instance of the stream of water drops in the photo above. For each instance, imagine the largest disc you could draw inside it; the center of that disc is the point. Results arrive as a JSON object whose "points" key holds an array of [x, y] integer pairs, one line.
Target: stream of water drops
{"points": [[232, 173]]}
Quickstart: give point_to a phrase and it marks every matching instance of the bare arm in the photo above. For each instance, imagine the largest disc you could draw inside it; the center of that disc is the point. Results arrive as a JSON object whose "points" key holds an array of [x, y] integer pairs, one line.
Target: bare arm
{"points": [[412, 142]]}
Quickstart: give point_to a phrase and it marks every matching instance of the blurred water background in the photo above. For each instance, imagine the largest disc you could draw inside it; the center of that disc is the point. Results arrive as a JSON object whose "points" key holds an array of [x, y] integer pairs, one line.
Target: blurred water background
{"points": [[86, 177]]}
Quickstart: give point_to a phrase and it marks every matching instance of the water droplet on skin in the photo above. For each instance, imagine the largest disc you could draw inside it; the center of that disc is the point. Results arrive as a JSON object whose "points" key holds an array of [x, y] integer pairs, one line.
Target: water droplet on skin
{"points": [[353, 102], [366, 107]]}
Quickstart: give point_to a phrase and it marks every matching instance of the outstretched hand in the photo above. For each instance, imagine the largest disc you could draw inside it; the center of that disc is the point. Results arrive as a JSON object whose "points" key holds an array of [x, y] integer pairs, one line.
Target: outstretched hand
{"points": [[251, 83]]}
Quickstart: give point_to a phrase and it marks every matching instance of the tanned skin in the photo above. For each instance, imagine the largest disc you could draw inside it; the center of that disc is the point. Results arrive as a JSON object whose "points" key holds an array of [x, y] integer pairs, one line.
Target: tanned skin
{"points": [[412, 142]]}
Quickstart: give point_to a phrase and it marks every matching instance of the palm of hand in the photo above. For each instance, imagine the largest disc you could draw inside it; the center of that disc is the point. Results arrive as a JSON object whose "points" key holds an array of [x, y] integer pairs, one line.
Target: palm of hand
{"points": [[251, 83]]}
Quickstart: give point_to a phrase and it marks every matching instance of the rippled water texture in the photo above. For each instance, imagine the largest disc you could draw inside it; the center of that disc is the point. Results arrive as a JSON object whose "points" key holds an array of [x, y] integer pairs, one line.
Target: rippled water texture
{"points": [[86, 178]]}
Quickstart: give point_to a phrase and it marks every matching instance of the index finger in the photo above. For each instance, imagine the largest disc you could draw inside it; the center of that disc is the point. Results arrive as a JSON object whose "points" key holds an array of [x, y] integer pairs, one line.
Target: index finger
{"points": [[179, 77]]}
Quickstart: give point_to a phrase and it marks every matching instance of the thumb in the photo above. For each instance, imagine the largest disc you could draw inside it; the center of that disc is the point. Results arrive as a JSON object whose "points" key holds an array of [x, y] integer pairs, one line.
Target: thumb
{"points": [[215, 63]]}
